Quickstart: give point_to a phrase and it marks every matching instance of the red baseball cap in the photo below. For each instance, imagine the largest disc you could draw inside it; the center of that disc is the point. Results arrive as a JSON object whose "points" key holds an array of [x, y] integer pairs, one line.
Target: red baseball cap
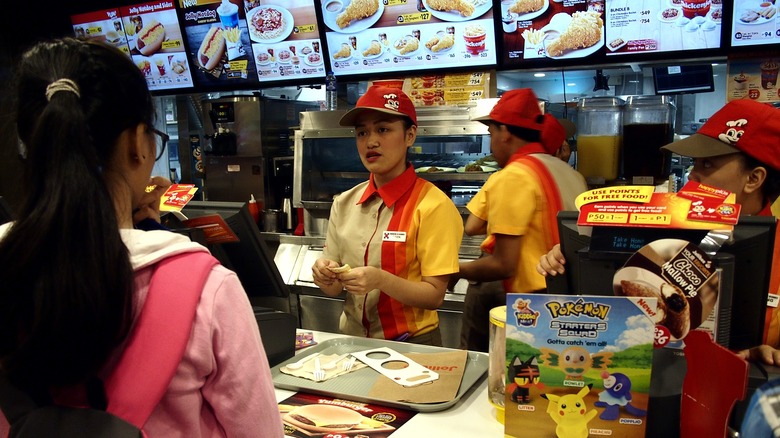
{"points": [[520, 108], [740, 126], [383, 99]]}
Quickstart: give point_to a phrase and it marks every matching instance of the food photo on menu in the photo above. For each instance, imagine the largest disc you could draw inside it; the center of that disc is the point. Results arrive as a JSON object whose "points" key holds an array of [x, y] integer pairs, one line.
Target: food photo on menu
{"points": [[218, 40], [285, 39], [755, 22], [155, 44], [551, 29], [381, 36]]}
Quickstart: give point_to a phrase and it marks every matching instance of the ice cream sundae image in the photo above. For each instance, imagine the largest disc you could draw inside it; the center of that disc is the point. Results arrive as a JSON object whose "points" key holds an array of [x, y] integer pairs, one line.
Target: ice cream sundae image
{"points": [[740, 81]]}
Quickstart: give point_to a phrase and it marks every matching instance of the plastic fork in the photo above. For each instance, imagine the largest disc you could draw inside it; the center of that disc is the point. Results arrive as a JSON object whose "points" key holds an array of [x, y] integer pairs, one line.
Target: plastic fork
{"points": [[332, 364], [347, 366], [319, 373]]}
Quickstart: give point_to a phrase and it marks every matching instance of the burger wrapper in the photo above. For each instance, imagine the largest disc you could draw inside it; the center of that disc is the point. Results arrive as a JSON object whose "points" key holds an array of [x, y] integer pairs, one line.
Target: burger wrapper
{"points": [[449, 365], [307, 370]]}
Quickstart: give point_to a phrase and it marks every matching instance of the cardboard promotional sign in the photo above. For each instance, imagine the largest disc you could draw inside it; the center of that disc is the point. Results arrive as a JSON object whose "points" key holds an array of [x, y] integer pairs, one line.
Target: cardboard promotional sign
{"points": [[695, 206], [593, 352]]}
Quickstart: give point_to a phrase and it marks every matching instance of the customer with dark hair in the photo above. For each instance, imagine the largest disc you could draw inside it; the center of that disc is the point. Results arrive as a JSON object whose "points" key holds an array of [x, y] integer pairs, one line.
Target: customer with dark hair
{"points": [[516, 208], [74, 273], [737, 149]]}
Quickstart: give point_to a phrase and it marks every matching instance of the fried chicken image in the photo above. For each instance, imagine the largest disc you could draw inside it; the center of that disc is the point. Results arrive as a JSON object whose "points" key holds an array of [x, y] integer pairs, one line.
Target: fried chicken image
{"points": [[442, 43], [357, 10], [343, 52], [464, 7], [584, 31], [407, 45], [374, 49], [525, 6]]}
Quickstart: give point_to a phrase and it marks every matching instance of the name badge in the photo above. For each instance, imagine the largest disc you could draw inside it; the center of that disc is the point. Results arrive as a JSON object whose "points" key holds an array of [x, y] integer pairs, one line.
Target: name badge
{"points": [[394, 236], [773, 300]]}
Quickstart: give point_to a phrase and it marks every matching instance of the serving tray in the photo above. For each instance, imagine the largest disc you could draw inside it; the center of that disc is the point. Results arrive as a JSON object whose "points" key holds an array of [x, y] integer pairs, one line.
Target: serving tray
{"points": [[357, 384]]}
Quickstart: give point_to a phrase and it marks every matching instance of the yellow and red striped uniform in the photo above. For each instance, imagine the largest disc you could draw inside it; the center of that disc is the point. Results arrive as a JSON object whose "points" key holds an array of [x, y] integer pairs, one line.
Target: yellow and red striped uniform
{"points": [[407, 227]]}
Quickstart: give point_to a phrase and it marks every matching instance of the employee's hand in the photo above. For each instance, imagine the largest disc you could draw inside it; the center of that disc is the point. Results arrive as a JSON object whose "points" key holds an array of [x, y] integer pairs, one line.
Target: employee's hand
{"points": [[362, 280], [149, 206], [763, 353], [322, 275], [552, 262]]}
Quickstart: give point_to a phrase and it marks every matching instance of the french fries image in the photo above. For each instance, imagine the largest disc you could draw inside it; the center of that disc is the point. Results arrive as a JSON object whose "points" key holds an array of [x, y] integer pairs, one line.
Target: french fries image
{"points": [[232, 34], [533, 37]]}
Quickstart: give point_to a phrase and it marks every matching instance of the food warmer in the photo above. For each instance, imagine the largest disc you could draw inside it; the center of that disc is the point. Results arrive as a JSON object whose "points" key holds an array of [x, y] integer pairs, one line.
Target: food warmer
{"points": [[326, 163]]}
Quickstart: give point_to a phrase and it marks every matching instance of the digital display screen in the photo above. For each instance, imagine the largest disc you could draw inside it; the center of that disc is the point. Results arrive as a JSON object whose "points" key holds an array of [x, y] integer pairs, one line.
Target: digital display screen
{"points": [[755, 22], [149, 33], [249, 43], [565, 30], [378, 36]]}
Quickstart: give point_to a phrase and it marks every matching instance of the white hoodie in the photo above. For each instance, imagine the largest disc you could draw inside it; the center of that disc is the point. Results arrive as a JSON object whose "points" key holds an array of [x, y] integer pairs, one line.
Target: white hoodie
{"points": [[223, 384]]}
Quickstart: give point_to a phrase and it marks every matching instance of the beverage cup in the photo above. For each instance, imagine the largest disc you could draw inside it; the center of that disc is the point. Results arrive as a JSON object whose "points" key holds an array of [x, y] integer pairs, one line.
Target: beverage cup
{"points": [[769, 70], [228, 14]]}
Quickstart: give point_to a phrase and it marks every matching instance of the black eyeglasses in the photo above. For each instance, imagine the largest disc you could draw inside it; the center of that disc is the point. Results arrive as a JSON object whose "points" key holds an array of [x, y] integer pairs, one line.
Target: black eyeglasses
{"points": [[161, 139]]}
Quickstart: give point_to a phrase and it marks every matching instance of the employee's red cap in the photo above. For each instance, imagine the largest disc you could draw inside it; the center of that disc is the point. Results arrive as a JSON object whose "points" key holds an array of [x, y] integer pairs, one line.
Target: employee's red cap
{"points": [[383, 99], [520, 108], [740, 126]]}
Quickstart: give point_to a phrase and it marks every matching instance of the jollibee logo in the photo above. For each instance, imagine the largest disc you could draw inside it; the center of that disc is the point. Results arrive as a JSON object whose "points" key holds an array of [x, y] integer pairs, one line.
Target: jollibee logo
{"points": [[732, 133], [391, 102]]}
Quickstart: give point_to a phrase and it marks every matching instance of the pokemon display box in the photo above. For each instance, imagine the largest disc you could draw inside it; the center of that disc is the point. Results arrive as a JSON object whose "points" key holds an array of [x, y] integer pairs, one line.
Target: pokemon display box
{"points": [[578, 366]]}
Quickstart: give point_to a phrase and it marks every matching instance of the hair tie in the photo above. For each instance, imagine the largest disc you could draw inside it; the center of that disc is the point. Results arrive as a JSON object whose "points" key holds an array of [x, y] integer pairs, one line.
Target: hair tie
{"points": [[62, 85]]}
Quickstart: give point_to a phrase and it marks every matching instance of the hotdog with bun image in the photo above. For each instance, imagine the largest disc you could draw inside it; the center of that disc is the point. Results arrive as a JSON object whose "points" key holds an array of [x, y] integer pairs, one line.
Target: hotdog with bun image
{"points": [[150, 38], [212, 48]]}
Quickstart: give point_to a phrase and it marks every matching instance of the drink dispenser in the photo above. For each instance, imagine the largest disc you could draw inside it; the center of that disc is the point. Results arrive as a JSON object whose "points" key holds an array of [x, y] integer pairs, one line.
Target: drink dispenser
{"points": [[648, 124], [599, 138]]}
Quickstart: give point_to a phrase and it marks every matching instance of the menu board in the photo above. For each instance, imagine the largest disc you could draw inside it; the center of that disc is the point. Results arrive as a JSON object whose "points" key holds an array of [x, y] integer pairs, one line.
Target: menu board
{"points": [[662, 25], [755, 22], [573, 29], [374, 36], [246, 42], [149, 33]]}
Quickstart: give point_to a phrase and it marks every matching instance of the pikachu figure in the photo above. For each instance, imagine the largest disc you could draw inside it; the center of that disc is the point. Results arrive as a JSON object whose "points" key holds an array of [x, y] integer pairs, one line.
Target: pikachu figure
{"points": [[570, 413]]}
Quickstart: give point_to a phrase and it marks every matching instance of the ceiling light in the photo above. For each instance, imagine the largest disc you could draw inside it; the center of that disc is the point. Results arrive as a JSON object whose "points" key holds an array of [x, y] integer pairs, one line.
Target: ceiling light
{"points": [[571, 84], [539, 75]]}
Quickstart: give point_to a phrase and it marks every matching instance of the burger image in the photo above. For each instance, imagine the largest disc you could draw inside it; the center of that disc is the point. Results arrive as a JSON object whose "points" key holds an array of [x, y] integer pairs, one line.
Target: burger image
{"points": [[323, 418]]}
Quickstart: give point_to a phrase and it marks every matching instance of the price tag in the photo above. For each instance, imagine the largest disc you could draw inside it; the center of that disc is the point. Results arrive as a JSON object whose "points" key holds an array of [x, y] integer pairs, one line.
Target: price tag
{"points": [[238, 65], [172, 44], [651, 219], [414, 18], [395, 2], [305, 28], [607, 218], [95, 30]]}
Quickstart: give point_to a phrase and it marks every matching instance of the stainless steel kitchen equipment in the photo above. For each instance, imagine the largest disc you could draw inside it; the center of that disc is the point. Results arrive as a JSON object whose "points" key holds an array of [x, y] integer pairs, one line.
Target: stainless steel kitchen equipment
{"points": [[326, 163]]}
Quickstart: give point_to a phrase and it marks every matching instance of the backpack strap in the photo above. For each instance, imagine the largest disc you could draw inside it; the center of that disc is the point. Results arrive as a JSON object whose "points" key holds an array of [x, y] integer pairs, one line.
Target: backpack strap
{"points": [[157, 342]]}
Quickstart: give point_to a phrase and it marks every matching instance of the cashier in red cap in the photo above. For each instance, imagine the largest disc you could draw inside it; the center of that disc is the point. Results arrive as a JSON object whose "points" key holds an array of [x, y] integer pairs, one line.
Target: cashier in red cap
{"points": [[737, 149], [399, 234], [517, 208]]}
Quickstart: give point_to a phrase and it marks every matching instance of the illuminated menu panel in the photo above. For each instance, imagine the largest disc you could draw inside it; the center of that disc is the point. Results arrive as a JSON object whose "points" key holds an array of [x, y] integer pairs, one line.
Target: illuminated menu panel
{"points": [[597, 29], [662, 26], [246, 42], [376, 36], [755, 22], [149, 33]]}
